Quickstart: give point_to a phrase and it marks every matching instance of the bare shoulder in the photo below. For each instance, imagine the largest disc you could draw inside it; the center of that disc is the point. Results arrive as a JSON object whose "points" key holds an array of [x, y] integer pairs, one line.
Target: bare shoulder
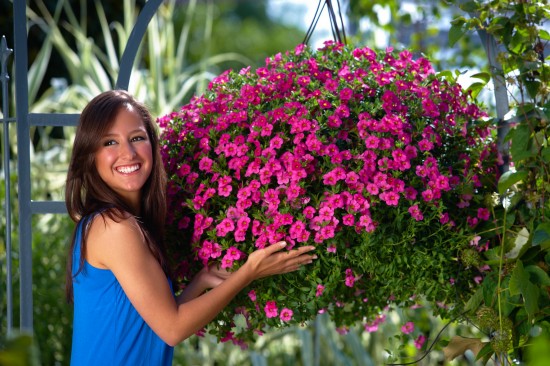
{"points": [[111, 238]]}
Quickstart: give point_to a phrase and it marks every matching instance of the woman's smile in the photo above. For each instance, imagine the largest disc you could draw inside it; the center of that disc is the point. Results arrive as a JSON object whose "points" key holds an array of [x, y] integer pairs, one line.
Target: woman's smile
{"points": [[128, 169]]}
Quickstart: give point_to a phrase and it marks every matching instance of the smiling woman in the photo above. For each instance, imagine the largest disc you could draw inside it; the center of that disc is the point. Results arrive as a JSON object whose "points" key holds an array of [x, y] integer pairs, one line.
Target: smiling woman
{"points": [[125, 309]]}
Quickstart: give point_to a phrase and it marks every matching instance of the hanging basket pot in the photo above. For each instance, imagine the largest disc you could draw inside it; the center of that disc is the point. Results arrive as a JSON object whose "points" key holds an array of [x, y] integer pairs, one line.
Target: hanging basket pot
{"points": [[383, 165]]}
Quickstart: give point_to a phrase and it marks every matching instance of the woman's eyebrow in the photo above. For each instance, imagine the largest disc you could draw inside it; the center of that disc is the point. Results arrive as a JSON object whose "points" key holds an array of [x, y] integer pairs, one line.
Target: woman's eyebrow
{"points": [[131, 132]]}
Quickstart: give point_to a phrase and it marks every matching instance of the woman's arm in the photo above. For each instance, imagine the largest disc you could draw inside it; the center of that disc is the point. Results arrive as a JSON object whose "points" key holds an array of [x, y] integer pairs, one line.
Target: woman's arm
{"points": [[121, 248]]}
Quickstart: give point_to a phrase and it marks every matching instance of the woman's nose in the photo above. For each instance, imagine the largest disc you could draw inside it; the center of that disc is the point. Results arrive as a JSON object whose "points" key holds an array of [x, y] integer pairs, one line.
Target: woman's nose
{"points": [[128, 150]]}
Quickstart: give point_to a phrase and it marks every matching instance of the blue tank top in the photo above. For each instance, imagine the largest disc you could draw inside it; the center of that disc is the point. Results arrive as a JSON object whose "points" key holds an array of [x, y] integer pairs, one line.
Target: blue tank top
{"points": [[107, 329]]}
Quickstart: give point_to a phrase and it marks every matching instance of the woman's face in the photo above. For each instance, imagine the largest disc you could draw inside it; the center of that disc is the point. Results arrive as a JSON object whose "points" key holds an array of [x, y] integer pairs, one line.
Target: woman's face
{"points": [[124, 159]]}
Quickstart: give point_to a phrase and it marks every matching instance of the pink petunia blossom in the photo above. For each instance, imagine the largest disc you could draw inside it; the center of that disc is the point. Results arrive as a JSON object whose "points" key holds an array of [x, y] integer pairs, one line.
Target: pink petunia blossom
{"points": [[419, 341], [286, 314], [319, 291], [416, 213], [408, 328], [271, 310], [483, 213]]}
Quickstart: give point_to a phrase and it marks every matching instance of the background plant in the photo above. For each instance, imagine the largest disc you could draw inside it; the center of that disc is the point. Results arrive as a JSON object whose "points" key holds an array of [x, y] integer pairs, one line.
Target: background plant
{"points": [[516, 292]]}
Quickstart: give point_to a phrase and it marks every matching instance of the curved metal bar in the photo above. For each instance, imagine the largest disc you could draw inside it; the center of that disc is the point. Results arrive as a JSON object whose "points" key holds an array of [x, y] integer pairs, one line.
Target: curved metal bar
{"points": [[130, 51]]}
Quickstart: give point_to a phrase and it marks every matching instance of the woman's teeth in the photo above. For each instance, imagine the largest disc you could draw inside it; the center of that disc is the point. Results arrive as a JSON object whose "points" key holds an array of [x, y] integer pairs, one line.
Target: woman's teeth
{"points": [[128, 169]]}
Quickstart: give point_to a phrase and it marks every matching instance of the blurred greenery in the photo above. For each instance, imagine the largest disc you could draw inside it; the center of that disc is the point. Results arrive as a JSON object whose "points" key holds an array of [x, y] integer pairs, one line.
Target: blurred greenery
{"points": [[18, 350]]}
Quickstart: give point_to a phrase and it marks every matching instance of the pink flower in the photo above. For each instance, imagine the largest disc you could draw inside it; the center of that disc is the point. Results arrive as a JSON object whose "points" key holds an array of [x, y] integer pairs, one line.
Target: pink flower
{"points": [[483, 213], [233, 253], [320, 290], [286, 314], [206, 164], [348, 220], [391, 198], [270, 309], [350, 278], [428, 195], [225, 226], [226, 263], [309, 211], [408, 328], [373, 326], [419, 341], [324, 104], [225, 191], [410, 193], [416, 213], [252, 295]]}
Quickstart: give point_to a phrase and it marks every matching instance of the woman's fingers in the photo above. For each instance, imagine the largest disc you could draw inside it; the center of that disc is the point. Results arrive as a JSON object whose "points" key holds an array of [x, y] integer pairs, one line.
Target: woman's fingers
{"points": [[301, 258], [275, 247], [271, 260]]}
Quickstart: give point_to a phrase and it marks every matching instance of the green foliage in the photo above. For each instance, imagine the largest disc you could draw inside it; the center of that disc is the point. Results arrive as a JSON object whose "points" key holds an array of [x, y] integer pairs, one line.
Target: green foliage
{"points": [[52, 315], [520, 282], [417, 26], [93, 69], [185, 46], [18, 350]]}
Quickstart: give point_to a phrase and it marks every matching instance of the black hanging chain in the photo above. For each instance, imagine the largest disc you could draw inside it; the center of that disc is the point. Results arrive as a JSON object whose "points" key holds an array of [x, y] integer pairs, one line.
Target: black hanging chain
{"points": [[337, 27]]}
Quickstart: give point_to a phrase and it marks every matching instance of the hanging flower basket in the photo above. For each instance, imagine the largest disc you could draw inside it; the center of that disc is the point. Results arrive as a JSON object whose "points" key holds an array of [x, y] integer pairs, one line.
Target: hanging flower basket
{"points": [[384, 166]]}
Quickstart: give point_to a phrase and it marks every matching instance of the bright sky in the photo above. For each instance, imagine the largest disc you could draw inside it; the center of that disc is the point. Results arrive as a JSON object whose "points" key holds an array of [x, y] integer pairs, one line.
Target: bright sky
{"points": [[302, 13]]}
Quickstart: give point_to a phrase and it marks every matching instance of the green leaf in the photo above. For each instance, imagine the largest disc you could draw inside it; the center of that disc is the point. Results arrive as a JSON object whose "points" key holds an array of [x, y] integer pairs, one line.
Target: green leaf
{"points": [[520, 284], [542, 235], [485, 76], [446, 74], [510, 303], [520, 142], [532, 87], [469, 7], [523, 327], [476, 88], [474, 301], [538, 275], [531, 297], [489, 286], [545, 154], [519, 279], [510, 178], [455, 33], [487, 350], [518, 43]]}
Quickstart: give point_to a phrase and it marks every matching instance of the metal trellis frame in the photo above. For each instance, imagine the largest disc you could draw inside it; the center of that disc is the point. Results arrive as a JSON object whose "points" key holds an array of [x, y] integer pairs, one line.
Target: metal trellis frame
{"points": [[24, 121]]}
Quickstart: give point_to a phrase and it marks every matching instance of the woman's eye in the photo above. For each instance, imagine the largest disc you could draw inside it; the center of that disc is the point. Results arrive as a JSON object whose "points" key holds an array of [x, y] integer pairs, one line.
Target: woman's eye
{"points": [[109, 143], [138, 138]]}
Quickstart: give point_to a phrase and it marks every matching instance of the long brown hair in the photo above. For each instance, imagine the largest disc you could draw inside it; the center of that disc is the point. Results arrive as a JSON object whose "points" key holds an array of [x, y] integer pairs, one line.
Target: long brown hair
{"points": [[86, 193]]}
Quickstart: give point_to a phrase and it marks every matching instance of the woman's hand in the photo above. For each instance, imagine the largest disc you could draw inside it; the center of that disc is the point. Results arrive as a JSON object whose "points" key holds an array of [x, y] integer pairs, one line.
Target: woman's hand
{"points": [[272, 261], [212, 276]]}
